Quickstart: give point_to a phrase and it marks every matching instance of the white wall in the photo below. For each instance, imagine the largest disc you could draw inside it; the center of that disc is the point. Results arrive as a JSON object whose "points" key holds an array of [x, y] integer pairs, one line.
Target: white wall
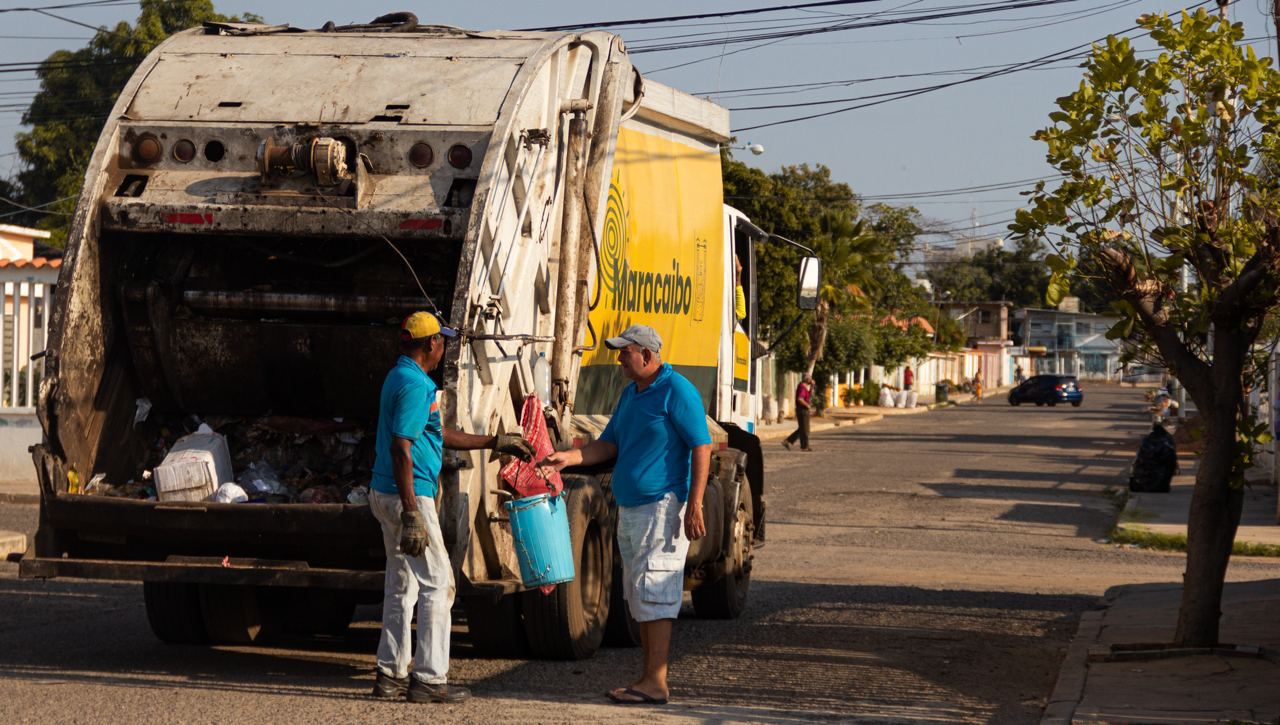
{"points": [[17, 433]]}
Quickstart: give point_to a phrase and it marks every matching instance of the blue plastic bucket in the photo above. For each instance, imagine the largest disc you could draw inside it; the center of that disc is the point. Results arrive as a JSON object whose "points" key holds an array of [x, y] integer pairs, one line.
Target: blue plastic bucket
{"points": [[540, 527]]}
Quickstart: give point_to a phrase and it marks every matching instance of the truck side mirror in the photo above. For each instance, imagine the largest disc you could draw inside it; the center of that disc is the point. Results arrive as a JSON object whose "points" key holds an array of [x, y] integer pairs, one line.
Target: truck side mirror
{"points": [[810, 276]]}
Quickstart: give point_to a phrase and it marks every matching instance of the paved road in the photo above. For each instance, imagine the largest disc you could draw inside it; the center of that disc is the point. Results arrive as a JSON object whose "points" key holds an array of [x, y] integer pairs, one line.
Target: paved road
{"points": [[926, 568]]}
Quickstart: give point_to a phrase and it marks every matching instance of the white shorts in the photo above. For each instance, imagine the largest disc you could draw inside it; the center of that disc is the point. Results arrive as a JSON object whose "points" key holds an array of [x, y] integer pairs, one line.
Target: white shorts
{"points": [[653, 545]]}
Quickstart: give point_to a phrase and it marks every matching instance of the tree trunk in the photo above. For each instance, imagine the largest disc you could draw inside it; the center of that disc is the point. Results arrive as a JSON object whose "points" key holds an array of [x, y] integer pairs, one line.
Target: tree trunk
{"points": [[1215, 505], [817, 335]]}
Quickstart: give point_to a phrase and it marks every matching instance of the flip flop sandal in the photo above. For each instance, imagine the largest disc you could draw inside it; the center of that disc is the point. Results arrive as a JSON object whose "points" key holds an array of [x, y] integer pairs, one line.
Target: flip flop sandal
{"points": [[632, 696]]}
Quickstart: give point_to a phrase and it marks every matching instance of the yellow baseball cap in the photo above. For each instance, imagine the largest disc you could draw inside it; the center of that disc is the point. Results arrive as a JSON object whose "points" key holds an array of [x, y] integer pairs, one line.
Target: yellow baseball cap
{"points": [[420, 325]]}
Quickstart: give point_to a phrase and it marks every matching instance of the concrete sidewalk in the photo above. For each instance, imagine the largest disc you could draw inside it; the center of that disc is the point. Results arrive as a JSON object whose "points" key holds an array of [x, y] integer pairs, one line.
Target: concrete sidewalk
{"points": [[1113, 672], [1120, 668], [1166, 513]]}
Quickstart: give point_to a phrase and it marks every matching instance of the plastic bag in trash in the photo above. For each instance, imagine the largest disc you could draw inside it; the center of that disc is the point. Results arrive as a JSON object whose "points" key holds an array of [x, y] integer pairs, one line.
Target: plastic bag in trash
{"points": [[230, 493], [260, 480], [358, 496]]}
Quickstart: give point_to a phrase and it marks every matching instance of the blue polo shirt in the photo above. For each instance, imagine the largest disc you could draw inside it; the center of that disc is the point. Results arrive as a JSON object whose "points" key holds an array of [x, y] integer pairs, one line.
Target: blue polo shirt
{"points": [[656, 431], [408, 409]]}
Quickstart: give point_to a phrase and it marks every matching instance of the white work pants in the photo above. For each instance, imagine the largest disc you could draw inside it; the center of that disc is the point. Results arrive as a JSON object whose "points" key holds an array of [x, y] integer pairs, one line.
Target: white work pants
{"points": [[426, 580]]}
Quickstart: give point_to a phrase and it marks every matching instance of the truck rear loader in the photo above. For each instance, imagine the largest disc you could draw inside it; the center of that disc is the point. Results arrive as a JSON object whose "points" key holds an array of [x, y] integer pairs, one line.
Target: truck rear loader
{"points": [[263, 207]]}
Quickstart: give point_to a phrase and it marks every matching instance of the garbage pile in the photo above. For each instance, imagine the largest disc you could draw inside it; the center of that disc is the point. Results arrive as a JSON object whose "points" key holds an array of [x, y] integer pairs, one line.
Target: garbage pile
{"points": [[273, 459]]}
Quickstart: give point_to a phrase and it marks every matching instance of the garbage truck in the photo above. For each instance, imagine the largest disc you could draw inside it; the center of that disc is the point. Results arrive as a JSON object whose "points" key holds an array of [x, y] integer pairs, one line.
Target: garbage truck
{"points": [[263, 207]]}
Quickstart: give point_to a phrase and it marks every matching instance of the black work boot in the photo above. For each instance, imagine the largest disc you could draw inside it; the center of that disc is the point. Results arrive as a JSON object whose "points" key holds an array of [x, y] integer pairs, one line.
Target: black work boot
{"points": [[390, 688], [420, 691]]}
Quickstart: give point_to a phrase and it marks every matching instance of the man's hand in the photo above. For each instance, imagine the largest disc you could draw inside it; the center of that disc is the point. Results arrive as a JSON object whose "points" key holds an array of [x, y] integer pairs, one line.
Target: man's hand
{"points": [[557, 461], [694, 527], [514, 445], [413, 533]]}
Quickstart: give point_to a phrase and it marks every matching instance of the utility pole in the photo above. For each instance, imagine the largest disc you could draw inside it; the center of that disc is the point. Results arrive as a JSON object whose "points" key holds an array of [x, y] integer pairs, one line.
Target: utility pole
{"points": [[1275, 18]]}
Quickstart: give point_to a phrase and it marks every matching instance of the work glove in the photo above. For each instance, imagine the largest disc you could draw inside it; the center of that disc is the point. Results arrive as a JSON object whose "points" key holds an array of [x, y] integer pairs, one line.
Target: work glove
{"points": [[514, 445], [413, 533]]}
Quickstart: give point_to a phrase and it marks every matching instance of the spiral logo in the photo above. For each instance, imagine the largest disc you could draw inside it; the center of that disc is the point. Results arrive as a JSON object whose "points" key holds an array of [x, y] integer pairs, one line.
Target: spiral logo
{"points": [[614, 241]]}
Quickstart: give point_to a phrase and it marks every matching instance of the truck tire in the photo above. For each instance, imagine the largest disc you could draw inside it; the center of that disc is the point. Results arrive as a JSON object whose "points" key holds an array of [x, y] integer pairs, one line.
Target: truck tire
{"points": [[231, 613], [568, 623], [726, 596], [173, 611]]}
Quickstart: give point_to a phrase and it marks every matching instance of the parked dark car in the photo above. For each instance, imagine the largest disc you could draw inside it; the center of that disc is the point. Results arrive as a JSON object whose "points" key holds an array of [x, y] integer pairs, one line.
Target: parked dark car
{"points": [[1048, 390]]}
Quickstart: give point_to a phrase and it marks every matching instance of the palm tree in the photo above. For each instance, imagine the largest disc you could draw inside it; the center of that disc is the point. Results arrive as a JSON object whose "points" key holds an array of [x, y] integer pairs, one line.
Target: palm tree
{"points": [[851, 254]]}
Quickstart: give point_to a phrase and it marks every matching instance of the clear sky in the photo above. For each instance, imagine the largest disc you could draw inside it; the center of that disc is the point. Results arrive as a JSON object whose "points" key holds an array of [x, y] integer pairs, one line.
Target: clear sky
{"points": [[901, 151]]}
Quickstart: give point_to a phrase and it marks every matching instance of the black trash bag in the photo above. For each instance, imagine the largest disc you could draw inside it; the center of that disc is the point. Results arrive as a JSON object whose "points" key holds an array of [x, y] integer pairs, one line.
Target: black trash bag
{"points": [[1156, 463]]}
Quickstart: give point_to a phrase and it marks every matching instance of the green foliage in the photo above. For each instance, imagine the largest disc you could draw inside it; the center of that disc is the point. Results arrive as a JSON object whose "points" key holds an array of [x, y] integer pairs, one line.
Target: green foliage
{"points": [[850, 345], [895, 346], [861, 250], [77, 91], [1167, 164], [1016, 276], [871, 393]]}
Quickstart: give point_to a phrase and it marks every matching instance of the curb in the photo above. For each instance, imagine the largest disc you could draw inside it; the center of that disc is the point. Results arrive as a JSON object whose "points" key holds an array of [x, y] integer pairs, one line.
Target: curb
{"points": [[20, 498], [1074, 671]]}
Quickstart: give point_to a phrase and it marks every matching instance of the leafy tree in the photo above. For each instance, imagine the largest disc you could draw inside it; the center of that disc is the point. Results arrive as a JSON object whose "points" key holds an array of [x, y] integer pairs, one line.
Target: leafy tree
{"points": [[1163, 165], [77, 91], [895, 345], [852, 259], [858, 250], [1017, 276], [850, 345]]}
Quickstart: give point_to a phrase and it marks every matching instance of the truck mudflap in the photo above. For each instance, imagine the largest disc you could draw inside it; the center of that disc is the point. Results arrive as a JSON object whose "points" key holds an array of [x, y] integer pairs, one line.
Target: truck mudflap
{"points": [[203, 570]]}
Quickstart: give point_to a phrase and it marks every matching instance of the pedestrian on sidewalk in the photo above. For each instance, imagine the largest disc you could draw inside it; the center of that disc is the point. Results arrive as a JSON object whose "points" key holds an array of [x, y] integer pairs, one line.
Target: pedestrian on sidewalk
{"points": [[408, 456], [977, 387], [659, 434], [908, 378], [804, 401]]}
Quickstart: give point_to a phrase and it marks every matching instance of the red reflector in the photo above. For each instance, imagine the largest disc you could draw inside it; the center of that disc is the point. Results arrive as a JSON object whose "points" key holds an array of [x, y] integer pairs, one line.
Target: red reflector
{"points": [[420, 224], [189, 218]]}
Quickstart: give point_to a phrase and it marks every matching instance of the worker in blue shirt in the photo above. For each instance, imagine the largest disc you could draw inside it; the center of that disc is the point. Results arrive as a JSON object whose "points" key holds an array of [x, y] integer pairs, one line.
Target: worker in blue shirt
{"points": [[410, 445], [658, 432]]}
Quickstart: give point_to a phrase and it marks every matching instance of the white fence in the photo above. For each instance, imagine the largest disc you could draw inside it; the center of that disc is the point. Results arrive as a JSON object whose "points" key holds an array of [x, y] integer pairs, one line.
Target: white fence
{"points": [[24, 316]]}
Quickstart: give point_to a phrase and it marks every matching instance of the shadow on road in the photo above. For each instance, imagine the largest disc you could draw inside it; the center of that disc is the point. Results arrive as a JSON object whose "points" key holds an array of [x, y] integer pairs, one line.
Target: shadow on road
{"points": [[809, 651], [803, 651]]}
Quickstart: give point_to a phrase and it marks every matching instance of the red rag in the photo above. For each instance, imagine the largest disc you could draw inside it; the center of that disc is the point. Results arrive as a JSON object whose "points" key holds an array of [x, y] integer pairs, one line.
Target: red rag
{"points": [[525, 477]]}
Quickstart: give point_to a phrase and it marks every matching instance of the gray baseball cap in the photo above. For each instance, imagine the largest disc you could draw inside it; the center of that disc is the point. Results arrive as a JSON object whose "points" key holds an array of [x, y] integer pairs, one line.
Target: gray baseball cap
{"points": [[641, 335]]}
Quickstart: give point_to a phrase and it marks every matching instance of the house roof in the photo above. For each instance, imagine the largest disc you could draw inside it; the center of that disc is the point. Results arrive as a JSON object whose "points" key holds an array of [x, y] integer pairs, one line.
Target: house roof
{"points": [[917, 320], [35, 263], [24, 231]]}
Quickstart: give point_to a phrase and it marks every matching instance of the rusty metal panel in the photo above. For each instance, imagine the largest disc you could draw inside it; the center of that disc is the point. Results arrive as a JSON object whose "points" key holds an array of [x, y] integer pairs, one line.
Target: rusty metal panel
{"points": [[290, 88]]}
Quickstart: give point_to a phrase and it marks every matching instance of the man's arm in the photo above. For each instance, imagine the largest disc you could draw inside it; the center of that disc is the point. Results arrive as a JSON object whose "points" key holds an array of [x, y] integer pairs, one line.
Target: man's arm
{"points": [[413, 528], [510, 444], [402, 470], [594, 452], [695, 526]]}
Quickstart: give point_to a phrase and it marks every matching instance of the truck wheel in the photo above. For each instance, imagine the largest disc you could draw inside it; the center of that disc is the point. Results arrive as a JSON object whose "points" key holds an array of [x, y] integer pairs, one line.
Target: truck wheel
{"points": [[231, 613], [173, 611], [726, 597], [568, 623], [621, 630]]}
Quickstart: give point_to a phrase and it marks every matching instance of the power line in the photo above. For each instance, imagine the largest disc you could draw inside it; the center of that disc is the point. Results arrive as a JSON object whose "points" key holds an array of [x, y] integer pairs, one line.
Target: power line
{"points": [[699, 16], [841, 27], [910, 93], [68, 6]]}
